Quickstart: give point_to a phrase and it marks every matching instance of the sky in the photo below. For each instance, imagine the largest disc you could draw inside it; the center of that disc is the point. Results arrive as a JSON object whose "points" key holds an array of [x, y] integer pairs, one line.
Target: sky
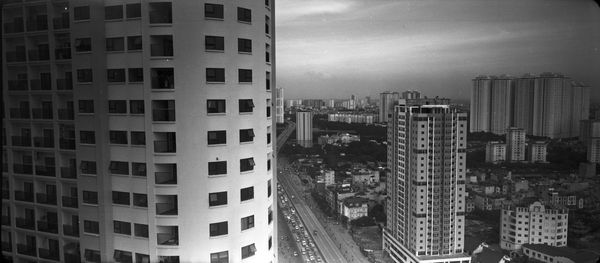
{"points": [[335, 48]]}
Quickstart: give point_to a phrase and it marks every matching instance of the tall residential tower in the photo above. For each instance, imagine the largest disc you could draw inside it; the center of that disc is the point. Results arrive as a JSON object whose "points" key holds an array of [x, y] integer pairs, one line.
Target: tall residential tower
{"points": [[387, 100]]}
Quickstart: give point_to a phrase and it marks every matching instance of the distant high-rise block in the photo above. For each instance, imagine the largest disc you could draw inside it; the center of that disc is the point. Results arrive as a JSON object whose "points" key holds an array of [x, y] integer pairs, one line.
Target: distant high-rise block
{"points": [[304, 125], [495, 152], [426, 185], [537, 152], [387, 100], [590, 136], [411, 94], [515, 144], [279, 101], [139, 131]]}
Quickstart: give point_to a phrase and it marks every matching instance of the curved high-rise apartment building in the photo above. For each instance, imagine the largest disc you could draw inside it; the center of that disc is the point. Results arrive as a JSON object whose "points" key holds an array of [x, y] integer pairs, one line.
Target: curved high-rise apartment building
{"points": [[140, 131]]}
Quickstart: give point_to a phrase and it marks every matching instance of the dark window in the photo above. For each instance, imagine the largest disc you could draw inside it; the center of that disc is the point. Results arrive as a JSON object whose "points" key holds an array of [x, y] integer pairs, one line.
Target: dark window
{"points": [[113, 12], [162, 78], [86, 106], [136, 106], [246, 135], [247, 222], [267, 25], [83, 44], [117, 167], [270, 242], [115, 75], [218, 229], [270, 215], [213, 11], [269, 165], [246, 105], [88, 167], [268, 111], [90, 197], [161, 46], [247, 193], [138, 169], [244, 45], [267, 3], [84, 75], [115, 44], [136, 74], [140, 230], [215, 74], [118, 137], [138, 138], [244, 15], [214, 43], [245, 75], [134, 10], [217, 137], [268, 53], [163, 110], [121, 227], [268, 81], [160, 13], [87, 137], [268, 138], [120, 198], [216, 168], [81, 13], [247, 164], [219, 198], [117, 106], [219, 257], [269, 187], [215, 106], [91, 227], [134, 43], [122, 256], [141, 258], [248, 251], [92, 255], [140, 200]]}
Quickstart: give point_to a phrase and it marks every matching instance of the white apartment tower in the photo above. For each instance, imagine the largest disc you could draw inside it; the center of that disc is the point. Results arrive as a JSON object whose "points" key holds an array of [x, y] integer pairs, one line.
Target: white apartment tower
{"points": [[387, 101], [537, 152], [279, 110], [515, 144], [304, 125], [533, 224], [140, 131], [495, 152], [426, 186]]}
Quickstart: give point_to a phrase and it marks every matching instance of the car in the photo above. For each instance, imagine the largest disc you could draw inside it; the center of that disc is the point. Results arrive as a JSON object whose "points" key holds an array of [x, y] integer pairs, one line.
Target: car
{"points": [[295, 253]]}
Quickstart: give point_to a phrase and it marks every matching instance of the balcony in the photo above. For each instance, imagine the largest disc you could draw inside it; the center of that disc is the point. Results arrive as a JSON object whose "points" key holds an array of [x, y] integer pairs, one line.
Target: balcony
{"points": [[66, 114], [46, 198], [6, 246], [16, 26], [169, 177], [19, 113], [43, 170], [22, 168], [39, 54], [25, 223], [62, 53], [67, 144], [26, 249], [61, 22], [49, 254], [163, 115], [64, 84], [24, 196], [47, 227], [15, 56], [168, 239], [168, 206], [44, 142], [39, 23], [69, 201], [71, 230], [38, 84], [6, 220], [42, 114], [68, 172], [161, 46], [164, 147], [17, 84]]}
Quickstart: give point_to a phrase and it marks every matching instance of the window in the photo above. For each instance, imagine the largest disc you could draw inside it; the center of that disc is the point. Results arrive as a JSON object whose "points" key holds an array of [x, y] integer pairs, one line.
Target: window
{"points": [[267, 25], [87, 137], [92, 255], [213, 11], [218, 229], [83, 44], [134, 10], [122, 256], [115, 75], [160, 13], [115, 44], [113, 12], [268, 81], [217, 168], [117, 167], [248, 251], [140, 200], [136, 106], [244, 45], [163, 110], [161, 46], [244, 15], [120, 198], [88, 167], [118, 137], [268, 164], [215, 74], [247, 164], [138, 138], [246, 135], [270, 215], [214, 43], [141, 258], [140, 230], [90, 197], [268, 108], [134, 43], [217, 137], [215, 106], [162, 78], [117, 106], [136, 75], [219, 257], [246, 105], [219, 198], [247, 222], [121, 227], [81, 13], [138, 169], [84, 75], [245, 75], [268, 53], [91, 227], [247, 193], [269, 188]]}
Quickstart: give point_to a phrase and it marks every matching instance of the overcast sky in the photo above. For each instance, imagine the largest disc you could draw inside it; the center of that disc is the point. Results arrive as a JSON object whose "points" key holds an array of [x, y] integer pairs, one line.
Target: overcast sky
{"points": [[335, 48]]}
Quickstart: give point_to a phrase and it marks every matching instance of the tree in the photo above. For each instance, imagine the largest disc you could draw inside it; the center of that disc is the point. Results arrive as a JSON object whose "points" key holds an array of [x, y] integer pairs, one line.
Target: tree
{"points": [[363, 221], [378, 212]]}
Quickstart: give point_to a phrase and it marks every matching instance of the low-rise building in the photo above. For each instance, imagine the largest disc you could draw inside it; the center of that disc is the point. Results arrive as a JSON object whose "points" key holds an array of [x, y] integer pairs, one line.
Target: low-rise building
{"points": [[537, 152], [365, 176], [551, 254], [354, 207], [488, 202], [495, 152]]}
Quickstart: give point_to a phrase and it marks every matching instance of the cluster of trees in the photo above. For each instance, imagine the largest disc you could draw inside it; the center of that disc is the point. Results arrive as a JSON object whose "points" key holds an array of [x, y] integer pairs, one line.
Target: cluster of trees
{"points": [[366, 132]]}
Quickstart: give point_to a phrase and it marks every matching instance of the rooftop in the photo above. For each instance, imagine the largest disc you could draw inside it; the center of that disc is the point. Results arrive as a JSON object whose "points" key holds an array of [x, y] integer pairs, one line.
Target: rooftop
{"points": [[577, 256]]}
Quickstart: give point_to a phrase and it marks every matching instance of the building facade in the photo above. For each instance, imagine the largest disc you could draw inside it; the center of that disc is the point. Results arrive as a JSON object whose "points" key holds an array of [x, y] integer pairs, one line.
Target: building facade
{"points": [[387, 100], [515, 144], [590, 136], [304, 125], [537, 152], [411, 94], [111, 103], [279, 110], [533, 224], [426, 184], [355, 207], [495, 152]]}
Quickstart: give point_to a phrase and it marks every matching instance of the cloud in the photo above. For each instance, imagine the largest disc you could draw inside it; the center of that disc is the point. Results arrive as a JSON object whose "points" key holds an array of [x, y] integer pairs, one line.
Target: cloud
{"points": [[292, 10]]}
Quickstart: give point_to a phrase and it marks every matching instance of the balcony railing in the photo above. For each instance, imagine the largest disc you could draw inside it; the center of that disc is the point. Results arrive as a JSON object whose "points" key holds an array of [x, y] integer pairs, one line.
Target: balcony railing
{"points": [[46, 226], [24, 223], [23, 168], [69, 201], [61, 22], [62, 53], [71, 230], [163, 115], [44, 170], [15, 27], [38, 84], [6, 246], [68, 172], [159, 50], [17, 84], [64, 84], [26, 249], [44, 142], [166, 209], [15, 56], [45, 198], [38, 24], [164, 147], [23, 196], [167, 239], [19, 113], [49, 254], [68, 144], [165, 177], [39, 54]]}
